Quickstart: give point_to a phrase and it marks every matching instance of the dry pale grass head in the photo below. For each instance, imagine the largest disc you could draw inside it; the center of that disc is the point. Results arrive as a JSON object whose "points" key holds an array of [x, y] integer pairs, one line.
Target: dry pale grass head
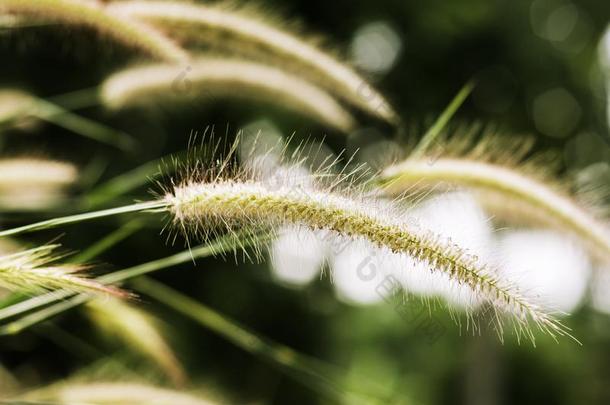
{"points": [[222, 77], [34, 183], [246, 30], [36, 270], [512, 183], [127, 31], [223, 198]]}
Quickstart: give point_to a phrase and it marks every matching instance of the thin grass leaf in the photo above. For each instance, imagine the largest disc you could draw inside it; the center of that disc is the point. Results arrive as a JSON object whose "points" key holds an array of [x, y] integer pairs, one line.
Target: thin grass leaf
{"points": [[323, 377]]}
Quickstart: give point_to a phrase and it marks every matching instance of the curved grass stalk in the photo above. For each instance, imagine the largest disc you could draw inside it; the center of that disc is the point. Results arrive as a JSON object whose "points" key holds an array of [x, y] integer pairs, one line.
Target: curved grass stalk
{"points": [[246, 32], [32, 271], [224, 77], [505, 192], [139, 331], [199, 207], [250, 206], [127, 31]]}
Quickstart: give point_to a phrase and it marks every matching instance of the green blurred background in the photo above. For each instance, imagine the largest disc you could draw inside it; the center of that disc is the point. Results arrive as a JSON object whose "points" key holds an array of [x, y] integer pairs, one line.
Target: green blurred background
{"points": [[538, 70]]}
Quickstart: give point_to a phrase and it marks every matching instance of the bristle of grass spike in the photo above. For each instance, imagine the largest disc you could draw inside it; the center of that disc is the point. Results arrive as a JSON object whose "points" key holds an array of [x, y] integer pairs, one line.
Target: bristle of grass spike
{"points": [[138, 330], [125, 30], [249, 33], [213, 77], [213, 199], [34, 271], [509, 184]]}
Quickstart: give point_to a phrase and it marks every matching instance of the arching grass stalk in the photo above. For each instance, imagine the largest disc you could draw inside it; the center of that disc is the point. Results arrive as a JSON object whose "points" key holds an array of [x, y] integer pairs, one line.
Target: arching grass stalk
{"points": [[505, 190], [224, 77], [200, 208], [125, 30], [246, 32]]}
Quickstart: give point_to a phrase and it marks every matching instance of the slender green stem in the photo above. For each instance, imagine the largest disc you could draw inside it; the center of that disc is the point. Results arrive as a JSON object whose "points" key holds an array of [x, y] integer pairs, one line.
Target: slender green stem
{"points": [[322, 376], [442, 120], [83, 126], [128, 181], [110, 240], [44, 314], [74, 100], [14, 300], [224, 244], [55, 222]]}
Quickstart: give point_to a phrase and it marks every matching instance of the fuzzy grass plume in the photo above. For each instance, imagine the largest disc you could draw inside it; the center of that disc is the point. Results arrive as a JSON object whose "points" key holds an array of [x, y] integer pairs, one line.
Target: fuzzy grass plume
{"points": [[218, 199], [34, 271], [208, 76], [510, 184], [244, 31], [127, 31]]}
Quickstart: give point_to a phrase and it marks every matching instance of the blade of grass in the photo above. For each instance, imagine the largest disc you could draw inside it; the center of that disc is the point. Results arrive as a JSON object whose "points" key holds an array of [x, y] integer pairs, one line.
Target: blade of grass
{"points": [[55, 222], [108, 242], [83, 126], [74, 100], [86, 255], [221, 245], [129, 181], [440, 123], [318, 374]]}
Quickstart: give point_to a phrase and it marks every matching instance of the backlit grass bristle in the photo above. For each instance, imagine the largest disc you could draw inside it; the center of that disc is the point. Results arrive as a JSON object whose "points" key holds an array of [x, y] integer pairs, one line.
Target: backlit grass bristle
{"points": [[244, 31], [127, 31], [211, 77], [228, 201], [508, 183], [35, 270]]}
